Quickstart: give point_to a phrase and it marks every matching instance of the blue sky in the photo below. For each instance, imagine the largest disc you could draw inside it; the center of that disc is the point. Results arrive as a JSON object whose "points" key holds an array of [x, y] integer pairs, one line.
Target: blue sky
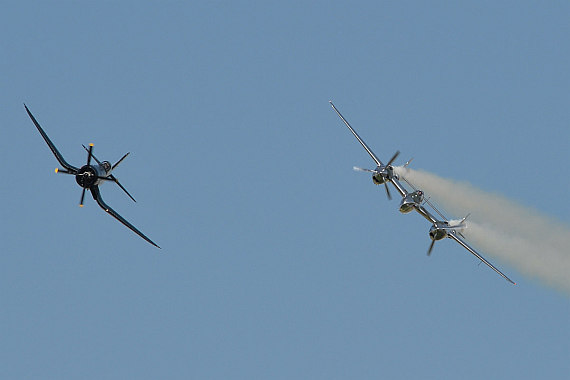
{"points": [[278, 260]]}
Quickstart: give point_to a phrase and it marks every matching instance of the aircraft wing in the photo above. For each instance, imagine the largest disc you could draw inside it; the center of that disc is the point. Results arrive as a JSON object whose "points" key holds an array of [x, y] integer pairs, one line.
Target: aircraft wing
{"points": [[97, 196], [467, 247], [72, 169], [399, 187], [376, 159], [426, 214]]}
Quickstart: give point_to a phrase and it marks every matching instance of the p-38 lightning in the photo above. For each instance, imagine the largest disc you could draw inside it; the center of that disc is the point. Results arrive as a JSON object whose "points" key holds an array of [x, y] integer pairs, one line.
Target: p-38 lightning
{"points": [[90, 176], [440, 228]]}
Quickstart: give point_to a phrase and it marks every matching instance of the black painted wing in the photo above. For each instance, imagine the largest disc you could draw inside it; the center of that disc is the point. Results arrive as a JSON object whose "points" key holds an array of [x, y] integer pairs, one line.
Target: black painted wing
{"points": [[97, 196], [72, 169]]}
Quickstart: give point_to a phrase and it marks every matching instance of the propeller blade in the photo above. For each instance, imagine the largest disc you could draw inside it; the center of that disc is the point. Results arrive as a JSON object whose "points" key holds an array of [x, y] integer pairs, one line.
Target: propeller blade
{"points": [[52, 147], [357, 169], [430, 247], [92, 155], [82, 197], [89, 154], [408, 162], [58, 170], [387, 191], [393, 158], [118, 162]]}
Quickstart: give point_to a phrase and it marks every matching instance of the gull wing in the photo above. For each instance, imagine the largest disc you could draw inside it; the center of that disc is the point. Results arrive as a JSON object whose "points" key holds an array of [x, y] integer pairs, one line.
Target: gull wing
{"points": [[378, 162], [54, 150], [467, 247], [97, 196]]}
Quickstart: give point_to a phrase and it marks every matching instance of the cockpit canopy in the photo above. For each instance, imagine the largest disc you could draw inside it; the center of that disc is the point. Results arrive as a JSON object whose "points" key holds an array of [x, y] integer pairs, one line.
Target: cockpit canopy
{"points": [[418, 196], [106, 165]]}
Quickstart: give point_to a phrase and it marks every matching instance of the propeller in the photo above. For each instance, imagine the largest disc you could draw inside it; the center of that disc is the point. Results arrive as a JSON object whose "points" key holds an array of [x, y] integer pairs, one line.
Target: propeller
{"points": [[393, 158], [430, 247], [111, 177], [358, 169], [387, 191], [89, 155], [382, 172]]}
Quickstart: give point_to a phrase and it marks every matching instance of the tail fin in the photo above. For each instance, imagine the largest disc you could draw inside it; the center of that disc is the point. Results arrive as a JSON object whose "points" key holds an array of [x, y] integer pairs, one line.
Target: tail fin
{"points": [[463, 222]]}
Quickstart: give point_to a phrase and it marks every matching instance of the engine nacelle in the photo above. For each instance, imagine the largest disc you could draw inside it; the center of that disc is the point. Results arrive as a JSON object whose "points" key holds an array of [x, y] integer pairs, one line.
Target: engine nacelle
{"points": [[406, 205], [382, 175], [439, 231], [378, 179], [90, 175], [87, 176]]}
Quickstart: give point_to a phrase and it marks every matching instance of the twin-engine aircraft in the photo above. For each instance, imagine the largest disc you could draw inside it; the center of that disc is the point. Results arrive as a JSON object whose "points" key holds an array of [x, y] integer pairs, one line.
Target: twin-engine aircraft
{"points": [[90, 176], [440, 228]]}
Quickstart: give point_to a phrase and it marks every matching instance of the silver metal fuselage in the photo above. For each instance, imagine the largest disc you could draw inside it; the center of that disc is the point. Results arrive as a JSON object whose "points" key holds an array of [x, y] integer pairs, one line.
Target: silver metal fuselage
{"points": [[411, 201]]}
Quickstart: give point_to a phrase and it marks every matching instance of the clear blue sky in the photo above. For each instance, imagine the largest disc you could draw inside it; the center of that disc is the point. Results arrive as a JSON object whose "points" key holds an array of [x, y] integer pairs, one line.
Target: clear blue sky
{"points": [[278, 260]]}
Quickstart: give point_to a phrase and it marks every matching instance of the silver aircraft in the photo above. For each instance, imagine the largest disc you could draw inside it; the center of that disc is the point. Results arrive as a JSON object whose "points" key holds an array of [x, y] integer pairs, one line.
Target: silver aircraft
{"points": [[440, 228]]}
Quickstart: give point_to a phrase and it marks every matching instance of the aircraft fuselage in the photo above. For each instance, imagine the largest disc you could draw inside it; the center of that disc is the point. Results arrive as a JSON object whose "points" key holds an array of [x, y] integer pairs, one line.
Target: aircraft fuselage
{"points": [[411, 201]]}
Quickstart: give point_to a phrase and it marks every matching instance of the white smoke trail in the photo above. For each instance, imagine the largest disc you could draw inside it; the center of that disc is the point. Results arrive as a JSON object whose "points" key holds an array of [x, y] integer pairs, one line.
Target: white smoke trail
{"points": [[533, 243]]}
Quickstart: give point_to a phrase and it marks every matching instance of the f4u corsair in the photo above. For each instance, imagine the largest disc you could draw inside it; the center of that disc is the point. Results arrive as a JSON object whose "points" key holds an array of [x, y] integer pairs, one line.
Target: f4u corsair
{"points": [[441, 228], [90, 176]]}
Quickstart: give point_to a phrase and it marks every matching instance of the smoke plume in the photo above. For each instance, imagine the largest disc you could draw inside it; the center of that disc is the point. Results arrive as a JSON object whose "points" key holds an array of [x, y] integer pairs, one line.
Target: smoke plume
{"points": [[534, 244]]}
